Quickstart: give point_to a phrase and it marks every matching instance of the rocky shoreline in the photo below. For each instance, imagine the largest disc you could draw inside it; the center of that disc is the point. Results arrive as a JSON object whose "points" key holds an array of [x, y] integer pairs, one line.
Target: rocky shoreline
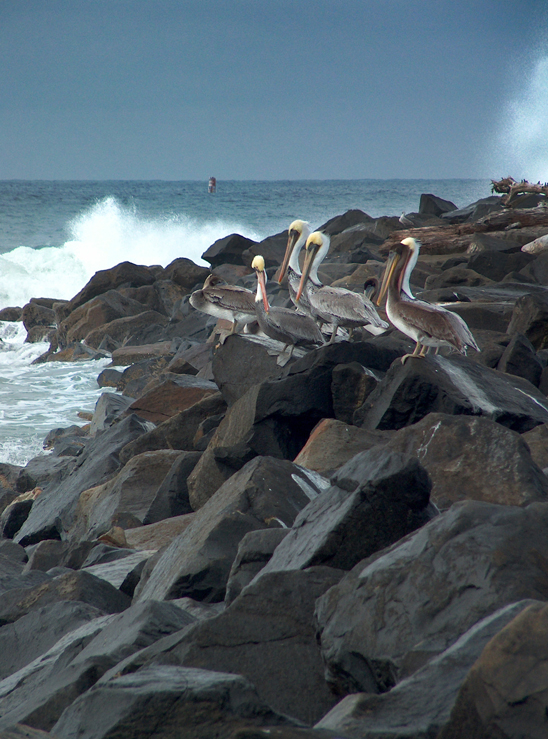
{"points": [[237, 545]]}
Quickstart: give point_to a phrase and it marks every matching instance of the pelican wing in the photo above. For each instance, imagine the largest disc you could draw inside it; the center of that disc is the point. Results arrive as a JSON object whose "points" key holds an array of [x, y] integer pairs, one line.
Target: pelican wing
{"points": [[345, 305], [300, 327], [231, 297], [437, 323]]}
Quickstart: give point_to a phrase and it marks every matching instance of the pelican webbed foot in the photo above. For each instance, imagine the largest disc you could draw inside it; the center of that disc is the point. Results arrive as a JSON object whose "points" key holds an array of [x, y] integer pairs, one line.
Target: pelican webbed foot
{"points": [[418, 352]]}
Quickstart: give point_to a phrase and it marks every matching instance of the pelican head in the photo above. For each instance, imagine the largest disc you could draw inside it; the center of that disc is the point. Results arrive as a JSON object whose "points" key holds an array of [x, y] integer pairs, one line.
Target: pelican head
{"points": [[259, 266], [317, 246], [397, 254], [298, 232]]}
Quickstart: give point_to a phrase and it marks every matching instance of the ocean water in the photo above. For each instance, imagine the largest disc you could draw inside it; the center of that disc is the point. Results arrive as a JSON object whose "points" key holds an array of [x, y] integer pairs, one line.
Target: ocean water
{"points": [[55, 235]]}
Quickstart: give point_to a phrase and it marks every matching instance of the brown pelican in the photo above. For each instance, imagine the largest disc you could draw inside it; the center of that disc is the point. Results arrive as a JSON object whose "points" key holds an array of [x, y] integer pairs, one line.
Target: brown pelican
{"points": [[428, 325], [334, 305], [299, 231], [288, 326], [230, 302]]}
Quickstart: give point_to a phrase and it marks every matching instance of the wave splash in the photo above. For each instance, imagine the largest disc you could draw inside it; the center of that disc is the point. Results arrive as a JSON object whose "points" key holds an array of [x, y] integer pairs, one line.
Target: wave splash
{"points": [[103, 236], [520, 149]]}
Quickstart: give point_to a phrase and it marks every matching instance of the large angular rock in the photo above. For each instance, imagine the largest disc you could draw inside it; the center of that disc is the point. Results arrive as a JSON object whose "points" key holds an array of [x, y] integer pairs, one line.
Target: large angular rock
{"points": [[38, 694], [177, 432], [160, 700], [435, 206], [276, 417], [421, 704], [451, 385], [32, 635], [52, 513], [108, 407], [530, 318], [184, 272], [171, 498], [123, 274], [97, 312], [227, 250], [505, 694], [176, 393], [377, 497], [472, 457], [132, 492], [401, 607], [333, 443], [520, 358], [80, 586], [141, 328], [238, 364], [254, 551], [267, 635], [197, 563]]}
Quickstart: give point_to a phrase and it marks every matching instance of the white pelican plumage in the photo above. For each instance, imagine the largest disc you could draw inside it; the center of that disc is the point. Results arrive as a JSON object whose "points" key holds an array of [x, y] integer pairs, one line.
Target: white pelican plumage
{"points": [[334, 305]]}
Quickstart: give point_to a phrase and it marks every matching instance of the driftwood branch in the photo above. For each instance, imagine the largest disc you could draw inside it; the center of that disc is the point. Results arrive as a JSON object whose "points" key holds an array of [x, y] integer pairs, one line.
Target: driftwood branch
{"points": [[512, 189]]}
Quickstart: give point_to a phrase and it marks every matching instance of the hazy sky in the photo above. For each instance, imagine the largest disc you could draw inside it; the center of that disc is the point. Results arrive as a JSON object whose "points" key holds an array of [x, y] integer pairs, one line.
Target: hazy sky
{"points": [[270, 89]]}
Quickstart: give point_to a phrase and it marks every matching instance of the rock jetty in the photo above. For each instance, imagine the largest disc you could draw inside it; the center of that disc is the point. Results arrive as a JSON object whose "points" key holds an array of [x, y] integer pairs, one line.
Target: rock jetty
{"points": [[242, 544]]}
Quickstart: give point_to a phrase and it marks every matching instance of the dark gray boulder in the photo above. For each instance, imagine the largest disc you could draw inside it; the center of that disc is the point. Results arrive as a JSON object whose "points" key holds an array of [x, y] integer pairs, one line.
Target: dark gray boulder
{"points": [[377, 497], [53, 512], [420, 705], [254, 551], [160, 700], [12, 575], [472, 457], [520, 358], [455, 386], [268, 635], [266, 492], [433, 205], [80, 586], [227, 250], [403, 606], [505, 694], [530, 318], [107, 409], [38, 693], [35, 633], [171, 498]]}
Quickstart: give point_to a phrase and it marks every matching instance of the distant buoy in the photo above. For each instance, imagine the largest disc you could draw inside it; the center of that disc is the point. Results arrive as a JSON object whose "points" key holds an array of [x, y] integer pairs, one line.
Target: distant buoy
{"points": [[212, 184]]}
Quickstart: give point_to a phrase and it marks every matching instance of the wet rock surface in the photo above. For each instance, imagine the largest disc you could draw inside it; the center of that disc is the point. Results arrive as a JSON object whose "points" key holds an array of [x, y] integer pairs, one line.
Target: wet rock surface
{"points": [[328, 544]]}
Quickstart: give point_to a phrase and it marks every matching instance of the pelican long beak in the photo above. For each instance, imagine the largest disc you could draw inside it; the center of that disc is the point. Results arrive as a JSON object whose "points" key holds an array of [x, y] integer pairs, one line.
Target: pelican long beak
{"points": [[308, 262], [387, 276], [262, 283], [291, 241]]}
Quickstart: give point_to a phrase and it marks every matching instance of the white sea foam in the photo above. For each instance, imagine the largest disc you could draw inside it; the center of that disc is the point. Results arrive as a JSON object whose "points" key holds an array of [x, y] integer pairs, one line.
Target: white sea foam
{"points": [[103, 236], [37, 398]]}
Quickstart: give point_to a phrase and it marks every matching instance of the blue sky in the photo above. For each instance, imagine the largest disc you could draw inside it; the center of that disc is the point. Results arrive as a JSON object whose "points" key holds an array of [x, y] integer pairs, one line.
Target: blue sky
{"points": [[271, 89]]}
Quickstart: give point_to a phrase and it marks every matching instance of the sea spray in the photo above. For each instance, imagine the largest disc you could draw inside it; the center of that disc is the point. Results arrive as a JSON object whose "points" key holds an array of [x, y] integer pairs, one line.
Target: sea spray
{"points": [[521, 149], [101, 237]]}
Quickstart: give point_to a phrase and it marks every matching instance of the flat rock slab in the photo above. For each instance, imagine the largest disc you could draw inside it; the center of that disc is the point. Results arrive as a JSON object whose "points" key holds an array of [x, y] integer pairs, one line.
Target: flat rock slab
{"points": [[158, 535], [473, 457], [172, 396], [159, 700], [420, 705], [127, 355], [451, 385], [116, 572], [332, 443], [401, 607]]}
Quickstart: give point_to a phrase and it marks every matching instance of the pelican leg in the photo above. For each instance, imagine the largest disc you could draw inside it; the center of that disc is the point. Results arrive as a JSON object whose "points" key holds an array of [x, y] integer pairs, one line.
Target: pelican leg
{"points": [[334, 333], [234, 327], [425, 349], [416, 351]]}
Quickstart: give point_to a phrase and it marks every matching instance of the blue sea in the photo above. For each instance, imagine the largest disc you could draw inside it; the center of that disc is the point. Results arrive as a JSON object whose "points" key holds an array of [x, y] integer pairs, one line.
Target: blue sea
{"points": [[54, 235]]}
